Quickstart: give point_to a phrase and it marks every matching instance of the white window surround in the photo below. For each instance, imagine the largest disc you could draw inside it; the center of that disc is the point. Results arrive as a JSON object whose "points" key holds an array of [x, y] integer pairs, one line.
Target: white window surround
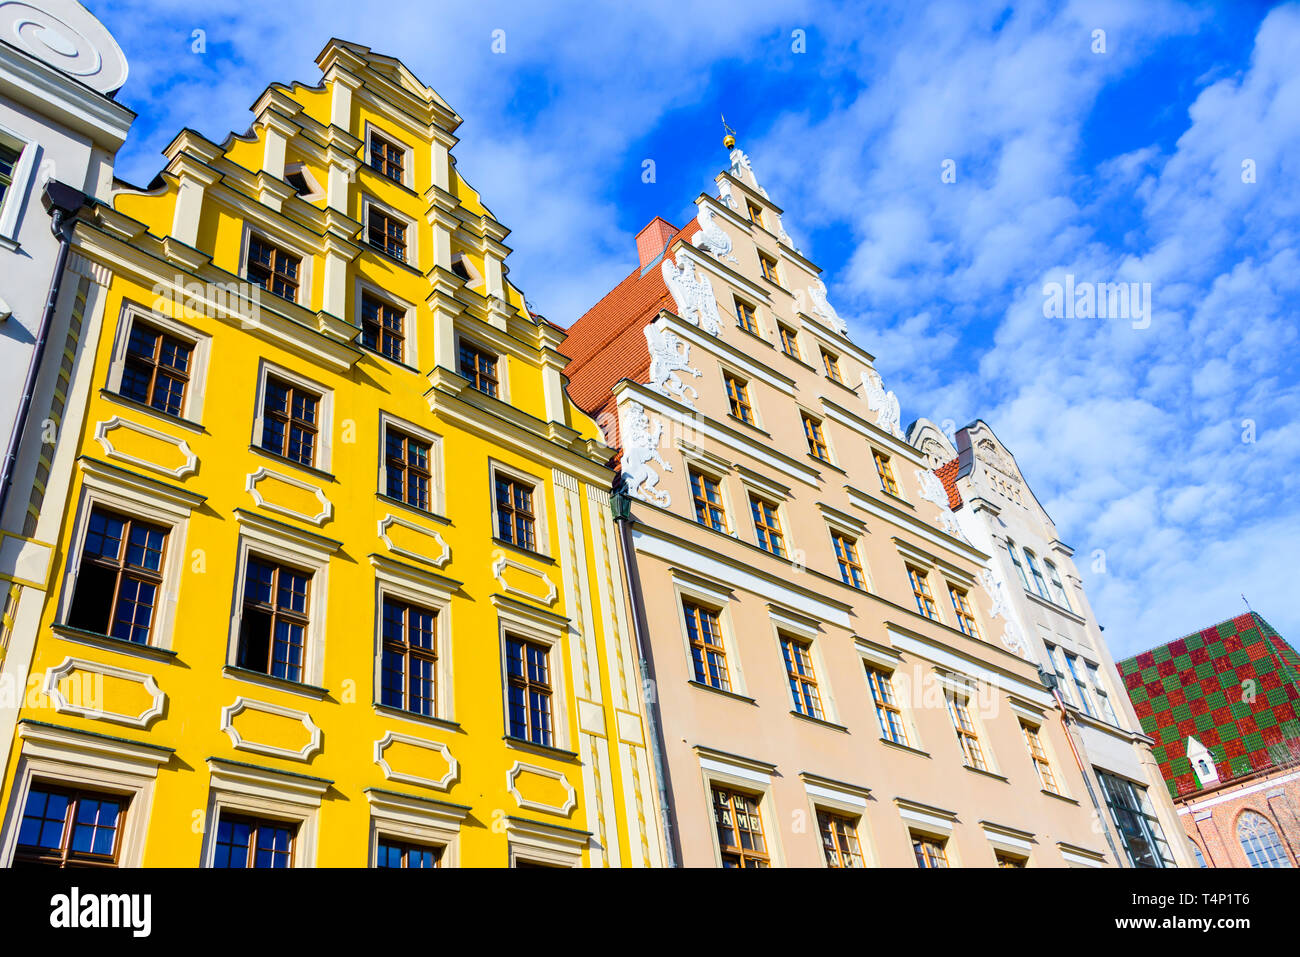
{"points": [[410, 236], [63, 757], [854, 533], [880, 658], [324, 413], [417, 820], [404, 582], [821, 419], [753, 778], [541, 500], [726, 371], [792, 624], [537, 843], [1009, 840], [1039, 724], [736, 302], [289, 245], [716, 597], [282, 543], [957, 688], [475, 280], [410, 341], [408, 158], [16, 197], [925, 820], [711, 466], [192, 408], [265, 793], [503, 362], [1080, 856], [139, 497], [521, 620], [437, 485], [763, 486], [845, 800]]}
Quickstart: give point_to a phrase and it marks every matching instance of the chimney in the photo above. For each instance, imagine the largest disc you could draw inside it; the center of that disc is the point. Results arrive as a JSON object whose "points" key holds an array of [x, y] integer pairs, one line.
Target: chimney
{"points": [[650, 242]]}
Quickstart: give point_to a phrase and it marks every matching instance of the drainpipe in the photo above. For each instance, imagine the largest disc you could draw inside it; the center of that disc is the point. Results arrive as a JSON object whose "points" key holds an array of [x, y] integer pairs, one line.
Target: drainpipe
{"points": [[62, 202], [1083, 770], [622, 508]]}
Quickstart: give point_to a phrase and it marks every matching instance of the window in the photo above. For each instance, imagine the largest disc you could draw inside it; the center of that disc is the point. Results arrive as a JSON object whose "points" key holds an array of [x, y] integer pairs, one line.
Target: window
{"points": [[381, 328], [1260, 841], [839, 839], [767, 522], [831, 363], [755, 213], [253, 842], [846, 555], [1015, 560], [789, 341], [1135, 819], [63, 827], [528, 690], [768, 265], [1080, 686], [480, 368], [740, 829], [119, 577], [1038, 754], [290, 420], [1200, 858], [1102, 698], [959, 711], [803, 679], [1059, 594], [273, 269], [400, 854], [930, 852], [707, 495], [921, 592], [885, 471], [386, 233], [709, 657], [738, 398], [1009, 860], [1040, 586], [157, 368], [745, 317], [406, 468], [273, 626], [410, 658], [516, 520], [965, 615], [8, 161], [812, 430], [387, 157], [888, 713]]}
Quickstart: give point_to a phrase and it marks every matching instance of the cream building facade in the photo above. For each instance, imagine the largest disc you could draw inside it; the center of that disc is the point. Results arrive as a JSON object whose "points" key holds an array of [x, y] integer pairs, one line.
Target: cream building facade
{"points": [[829, 687], [1045, 617]]}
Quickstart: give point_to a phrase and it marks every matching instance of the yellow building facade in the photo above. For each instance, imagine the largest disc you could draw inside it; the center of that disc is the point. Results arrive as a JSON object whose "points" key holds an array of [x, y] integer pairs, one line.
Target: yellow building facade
{"points": [[336, 579]]}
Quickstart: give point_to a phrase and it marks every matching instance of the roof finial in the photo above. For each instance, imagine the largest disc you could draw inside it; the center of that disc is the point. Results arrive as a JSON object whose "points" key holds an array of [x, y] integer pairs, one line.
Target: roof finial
{"points": [[729, 141], [1248, 608]]}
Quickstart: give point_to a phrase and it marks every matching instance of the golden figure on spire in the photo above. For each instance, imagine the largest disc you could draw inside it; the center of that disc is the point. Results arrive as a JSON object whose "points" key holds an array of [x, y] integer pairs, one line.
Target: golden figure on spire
{"points": [[729, 141]]}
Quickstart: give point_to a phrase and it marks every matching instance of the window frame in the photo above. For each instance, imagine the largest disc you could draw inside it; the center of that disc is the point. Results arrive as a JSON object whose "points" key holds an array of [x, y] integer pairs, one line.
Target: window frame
{"points": [[762, 859], [1057, 585], [539, 527], [746, 314], [815, 437], [401, 582], [437, 491], [521, 620], [20, 182], [276, 796], [276, 242], [465, 343], [122, 570], [880, 678], [1143, 813], [789, 336], [409, 356], [968, 731], [691, 609], [371, 208], [759, 503], [200, 347], [324, 444], [1260, 855], [885, 473], [1040, 758], [738, 398], [922, 591], [770, 267], [921, 844], [964, 611], [1040, 583], [372, 133], [851, 541], [831, 365], [707, 476], [67, 858]]}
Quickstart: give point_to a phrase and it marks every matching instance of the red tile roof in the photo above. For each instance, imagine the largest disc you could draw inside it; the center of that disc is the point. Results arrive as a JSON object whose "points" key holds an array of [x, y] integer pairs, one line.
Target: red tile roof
{"points": [[606, 345], [948, 476]]}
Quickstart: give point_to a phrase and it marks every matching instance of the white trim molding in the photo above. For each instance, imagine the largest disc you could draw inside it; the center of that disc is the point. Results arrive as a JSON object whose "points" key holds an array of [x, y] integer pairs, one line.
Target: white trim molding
{"points": [[320, 518], [242, 704], [501, 562], [545, 843], [55, 676], [519, 768], [394, 737], [105, 426], [389, 520], [417, 819]]}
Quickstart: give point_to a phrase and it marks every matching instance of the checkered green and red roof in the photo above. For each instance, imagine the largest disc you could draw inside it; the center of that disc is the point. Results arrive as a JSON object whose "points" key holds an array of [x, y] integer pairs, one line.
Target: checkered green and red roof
{"points": [[1234, 687]]}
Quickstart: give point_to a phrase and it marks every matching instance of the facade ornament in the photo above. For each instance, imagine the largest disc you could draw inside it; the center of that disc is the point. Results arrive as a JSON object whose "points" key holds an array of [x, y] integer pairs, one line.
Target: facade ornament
{"points": [[711, 237], [884, 404], [640, 449], [987, 451], [740, 165], [724, 194], [824, 310], [669, 355], [1000, 607], [932, 490], [693, 294]]}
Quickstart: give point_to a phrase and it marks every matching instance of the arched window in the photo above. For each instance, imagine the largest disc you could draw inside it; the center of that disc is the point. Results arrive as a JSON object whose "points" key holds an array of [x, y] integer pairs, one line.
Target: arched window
{"points": [[1059, 594], [1015, 560], [1040, 585], [1260, 841], [1200, 858]]}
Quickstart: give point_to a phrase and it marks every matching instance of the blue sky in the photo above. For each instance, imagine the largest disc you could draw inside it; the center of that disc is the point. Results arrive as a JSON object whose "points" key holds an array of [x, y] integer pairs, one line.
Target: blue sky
{"points": [[1170, 449]]}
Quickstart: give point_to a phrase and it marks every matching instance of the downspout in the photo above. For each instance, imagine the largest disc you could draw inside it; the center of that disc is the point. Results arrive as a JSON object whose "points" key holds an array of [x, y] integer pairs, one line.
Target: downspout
{"points": [[1087, 782], [622, 509], [62, 202]]}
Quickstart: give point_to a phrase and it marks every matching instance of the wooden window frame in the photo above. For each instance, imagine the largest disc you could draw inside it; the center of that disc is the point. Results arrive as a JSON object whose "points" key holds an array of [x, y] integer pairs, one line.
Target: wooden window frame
{"points": [[703, 494], [1018, 564], [707, 645], [483, 370], [738, 398], [801, 673], [767, 525], [408, 469], [812, 431], [277, 614], [755, 213], [747, 317], [388, 342], [508, 514], [931, 852], [385, 165], [736, 854], [120, 569], [407, 653], [1038, 755], [64, 856], [256, 823], [921, 591], [768, 265], [893, 726], [155, 366], [387, 232], [280, 257], [963, 611], [543, 688], [967, 734], [845, 547], [289, 421], [840, 844], [405, 847], [831, 363], [885, 472], [789, 341]]}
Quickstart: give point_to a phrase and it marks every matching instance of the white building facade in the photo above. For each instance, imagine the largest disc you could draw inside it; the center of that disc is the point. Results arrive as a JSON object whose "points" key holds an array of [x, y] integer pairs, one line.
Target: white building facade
{"points": [[1041, 613]]}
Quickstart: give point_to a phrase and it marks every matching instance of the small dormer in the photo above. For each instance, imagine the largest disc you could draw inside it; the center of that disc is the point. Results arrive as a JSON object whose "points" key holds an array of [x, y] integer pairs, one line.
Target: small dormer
{"points": [[1202, 763]]}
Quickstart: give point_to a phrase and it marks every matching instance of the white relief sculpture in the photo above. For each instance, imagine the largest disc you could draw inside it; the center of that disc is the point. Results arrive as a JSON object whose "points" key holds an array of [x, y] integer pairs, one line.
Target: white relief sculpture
{"points": [[932, 490], [824, 309], [711, 237], [1000, 606], [640, 449], [724, 194], [669, 355], [693, 294], [884, 404], [740, 165]]}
